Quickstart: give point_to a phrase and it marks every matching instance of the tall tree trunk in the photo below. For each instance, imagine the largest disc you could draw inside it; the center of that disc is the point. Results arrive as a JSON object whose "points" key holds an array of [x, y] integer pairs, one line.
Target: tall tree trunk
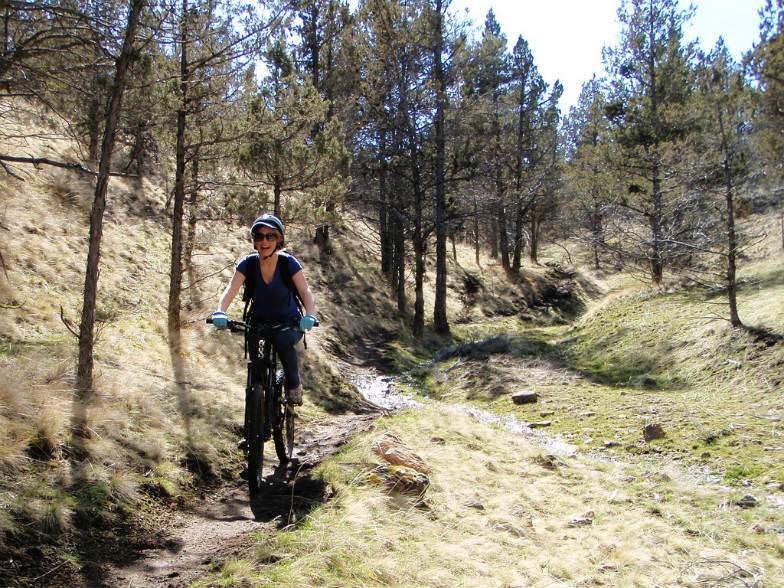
{"points": [[418, 239], [732, 250], [193, 219], [657, 259], [419, 264], [493, 235], [175, 279], [84, 374], [384, 220], [500, 189], [440, 322], [597, 229], [400, 265], [517, 248], [533, 246], [476, 231], [503, 240]]}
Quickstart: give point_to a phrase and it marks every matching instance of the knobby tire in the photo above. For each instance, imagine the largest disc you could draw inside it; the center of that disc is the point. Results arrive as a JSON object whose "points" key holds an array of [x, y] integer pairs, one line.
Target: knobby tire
{"points": [[283, 425], [255, 437]]}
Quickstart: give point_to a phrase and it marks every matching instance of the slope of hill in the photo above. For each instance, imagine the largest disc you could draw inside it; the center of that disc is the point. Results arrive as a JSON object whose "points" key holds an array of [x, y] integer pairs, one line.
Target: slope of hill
{"points": [[163, 435], [160, 433], [567, 490]]}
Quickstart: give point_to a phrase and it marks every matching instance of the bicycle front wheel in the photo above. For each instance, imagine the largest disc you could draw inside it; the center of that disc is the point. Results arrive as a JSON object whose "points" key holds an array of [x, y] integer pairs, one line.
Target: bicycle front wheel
{"points": [[255, 412], [283, 428]]}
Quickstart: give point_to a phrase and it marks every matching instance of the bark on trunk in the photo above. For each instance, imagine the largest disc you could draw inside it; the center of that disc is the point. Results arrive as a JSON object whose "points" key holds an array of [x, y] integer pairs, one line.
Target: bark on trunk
{"points": [[476, 232], [732, 247], [533, 248], [400, 266], [175, 279], [440, 322], [84, 373]]}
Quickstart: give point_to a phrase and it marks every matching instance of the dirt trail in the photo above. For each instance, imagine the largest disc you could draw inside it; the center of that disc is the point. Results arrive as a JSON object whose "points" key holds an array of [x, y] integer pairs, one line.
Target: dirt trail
{"points": [[223, 525]]}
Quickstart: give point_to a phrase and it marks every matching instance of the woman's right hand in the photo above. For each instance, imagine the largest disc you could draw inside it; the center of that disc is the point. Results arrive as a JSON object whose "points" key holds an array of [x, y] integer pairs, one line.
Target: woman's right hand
{"points": [[219, 319]]}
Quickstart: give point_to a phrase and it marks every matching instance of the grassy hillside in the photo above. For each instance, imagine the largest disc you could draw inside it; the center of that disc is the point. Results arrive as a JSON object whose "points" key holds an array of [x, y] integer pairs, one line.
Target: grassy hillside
{"points": [[503, 511], [160, 432], [643, 357], [603, 366], [583, 500]]}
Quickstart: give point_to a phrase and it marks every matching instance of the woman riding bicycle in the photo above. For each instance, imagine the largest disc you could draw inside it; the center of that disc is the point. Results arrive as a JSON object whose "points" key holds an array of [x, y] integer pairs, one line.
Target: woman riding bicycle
{"points": [[272, 300]]}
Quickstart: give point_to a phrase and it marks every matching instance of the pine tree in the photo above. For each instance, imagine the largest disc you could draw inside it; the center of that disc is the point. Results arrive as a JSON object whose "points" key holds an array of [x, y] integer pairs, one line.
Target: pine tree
{"points": [[652, 75], [322, 32], [438, 77], [84, 375], [527, 96], [211, 48], [767, 62], [543, 205], [491, 80], [722, 159], [283, 153], [589, 184]]}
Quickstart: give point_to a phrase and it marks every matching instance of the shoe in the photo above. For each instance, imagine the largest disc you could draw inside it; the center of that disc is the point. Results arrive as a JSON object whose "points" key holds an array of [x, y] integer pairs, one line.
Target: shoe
{"points": [[294, 396], [242, 445]]}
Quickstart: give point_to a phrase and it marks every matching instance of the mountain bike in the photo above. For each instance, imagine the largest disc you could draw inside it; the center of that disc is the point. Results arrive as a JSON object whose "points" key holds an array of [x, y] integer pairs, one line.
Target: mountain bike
{"points": [[267, 413]]}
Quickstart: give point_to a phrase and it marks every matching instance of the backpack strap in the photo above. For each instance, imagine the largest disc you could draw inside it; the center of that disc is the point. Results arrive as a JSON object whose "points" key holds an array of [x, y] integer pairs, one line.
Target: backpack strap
{"points": [[285, 273], [252, 271]]}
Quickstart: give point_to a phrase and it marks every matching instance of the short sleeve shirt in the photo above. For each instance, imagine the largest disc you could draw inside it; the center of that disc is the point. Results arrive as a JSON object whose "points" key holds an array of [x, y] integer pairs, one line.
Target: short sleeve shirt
{"points": [[273, 301]]}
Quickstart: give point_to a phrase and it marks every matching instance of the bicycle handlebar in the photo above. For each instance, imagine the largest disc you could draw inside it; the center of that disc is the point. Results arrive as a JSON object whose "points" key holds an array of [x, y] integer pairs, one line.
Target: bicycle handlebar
{"points": [[237, 326], [233, 326]]}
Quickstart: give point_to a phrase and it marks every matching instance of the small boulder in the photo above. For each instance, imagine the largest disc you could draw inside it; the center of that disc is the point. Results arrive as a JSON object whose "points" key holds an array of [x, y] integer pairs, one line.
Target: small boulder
{"points": [[586, 519], [400, 479], [539, 425], [653, 431], [392, 449], [526, 397], [747, 501]]}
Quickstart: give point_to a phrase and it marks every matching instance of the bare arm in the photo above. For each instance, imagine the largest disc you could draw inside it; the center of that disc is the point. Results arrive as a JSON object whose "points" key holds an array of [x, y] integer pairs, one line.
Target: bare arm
{"points": [[304, 292], [231, 291]]}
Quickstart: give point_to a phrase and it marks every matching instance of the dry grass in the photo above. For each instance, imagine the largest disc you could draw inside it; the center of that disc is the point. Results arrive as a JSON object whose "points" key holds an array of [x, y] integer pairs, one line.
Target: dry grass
{"points": [[152, 417], [501, 511], [155, 425]]}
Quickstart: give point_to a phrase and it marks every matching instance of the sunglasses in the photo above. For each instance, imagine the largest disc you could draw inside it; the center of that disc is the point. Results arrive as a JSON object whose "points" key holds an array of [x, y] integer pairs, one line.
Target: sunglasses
{"points": [[267, 236]]}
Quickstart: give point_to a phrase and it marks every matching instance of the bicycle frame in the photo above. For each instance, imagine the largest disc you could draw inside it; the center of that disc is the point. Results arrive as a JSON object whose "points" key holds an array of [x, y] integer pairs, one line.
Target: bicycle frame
{"points": [[267, 414]]}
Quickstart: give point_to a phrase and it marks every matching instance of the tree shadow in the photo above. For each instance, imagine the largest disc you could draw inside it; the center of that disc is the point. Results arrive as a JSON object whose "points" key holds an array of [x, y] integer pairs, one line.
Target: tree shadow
{"points": [[764, 335]]}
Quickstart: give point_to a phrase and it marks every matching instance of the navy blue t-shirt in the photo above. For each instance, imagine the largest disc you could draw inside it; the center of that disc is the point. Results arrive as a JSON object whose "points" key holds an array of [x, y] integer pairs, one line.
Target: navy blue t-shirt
{"points": [[273, 301]]}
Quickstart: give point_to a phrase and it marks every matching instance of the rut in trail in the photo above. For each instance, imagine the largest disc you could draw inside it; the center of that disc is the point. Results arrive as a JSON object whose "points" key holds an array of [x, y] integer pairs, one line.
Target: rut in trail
{"points": [[224, 524]]}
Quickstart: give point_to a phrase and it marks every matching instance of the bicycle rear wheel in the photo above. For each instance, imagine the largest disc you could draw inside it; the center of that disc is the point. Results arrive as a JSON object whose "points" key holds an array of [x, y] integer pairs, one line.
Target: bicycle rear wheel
{"points": [[255, 437], [283, 427]]}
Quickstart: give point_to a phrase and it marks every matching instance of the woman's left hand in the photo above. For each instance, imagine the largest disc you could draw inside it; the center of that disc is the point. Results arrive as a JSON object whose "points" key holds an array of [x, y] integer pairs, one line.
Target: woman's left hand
{"points": [[306, 322]]}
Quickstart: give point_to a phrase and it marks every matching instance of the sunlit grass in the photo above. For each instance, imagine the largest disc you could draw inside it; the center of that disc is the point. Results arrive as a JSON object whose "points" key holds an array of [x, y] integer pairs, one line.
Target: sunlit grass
{"points": [[496, 513], [637, 358]]}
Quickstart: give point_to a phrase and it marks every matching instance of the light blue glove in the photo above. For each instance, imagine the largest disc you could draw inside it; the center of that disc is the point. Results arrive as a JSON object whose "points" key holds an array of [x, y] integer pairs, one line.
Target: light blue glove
{"points": [[306, 322], [219, 320]]}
